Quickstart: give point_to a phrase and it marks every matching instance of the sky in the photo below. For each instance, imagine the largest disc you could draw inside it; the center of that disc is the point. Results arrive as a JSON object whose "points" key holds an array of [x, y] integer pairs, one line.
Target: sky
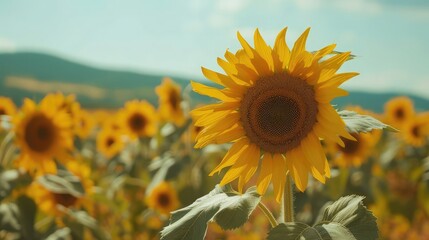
{"points": [[175, 38]]}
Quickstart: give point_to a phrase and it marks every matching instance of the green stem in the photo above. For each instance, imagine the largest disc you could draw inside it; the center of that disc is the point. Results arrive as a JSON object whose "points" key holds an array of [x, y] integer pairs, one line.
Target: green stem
{"points": [[288, 201], [268, 214]]}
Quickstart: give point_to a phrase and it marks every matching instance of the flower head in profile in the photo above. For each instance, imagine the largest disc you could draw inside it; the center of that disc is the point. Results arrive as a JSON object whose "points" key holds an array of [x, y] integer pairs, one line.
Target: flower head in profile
{"points": [[163, 198], [43, 133], [170, 99], [138, 119], [274, 105]]}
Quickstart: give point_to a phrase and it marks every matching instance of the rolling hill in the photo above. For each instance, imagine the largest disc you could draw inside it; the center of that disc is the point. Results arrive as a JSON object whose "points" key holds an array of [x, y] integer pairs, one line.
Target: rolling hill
{"points": [[32, 75]]}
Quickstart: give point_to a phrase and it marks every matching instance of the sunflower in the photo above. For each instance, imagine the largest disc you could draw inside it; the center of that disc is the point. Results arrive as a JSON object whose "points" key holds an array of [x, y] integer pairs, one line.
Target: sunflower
{"points": [[138, 119], [169, 102], [109, 143], [416, 130], [42, 132], [354, 153], [163, 198], [7, 107], [84, 124], [276, 104], [398, 111], [48, 200]]}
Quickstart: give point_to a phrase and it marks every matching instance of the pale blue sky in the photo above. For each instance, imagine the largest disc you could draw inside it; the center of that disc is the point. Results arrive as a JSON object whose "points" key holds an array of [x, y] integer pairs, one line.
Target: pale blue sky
{"points": [[390, 37]]}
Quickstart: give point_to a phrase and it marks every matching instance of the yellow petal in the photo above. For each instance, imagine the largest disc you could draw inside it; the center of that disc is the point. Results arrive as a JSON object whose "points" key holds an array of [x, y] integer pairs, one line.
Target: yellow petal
{"points": [[326, 95], [281, 50], [298, 48], [279, 175], [211, 92], [330, 66], [266, 173], [263, 50], [232, 155]]}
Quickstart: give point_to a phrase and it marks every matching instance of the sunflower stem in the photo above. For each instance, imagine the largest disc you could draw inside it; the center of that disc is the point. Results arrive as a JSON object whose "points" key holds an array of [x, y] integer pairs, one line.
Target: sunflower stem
{"points": [[268, 214], [288, 212]]}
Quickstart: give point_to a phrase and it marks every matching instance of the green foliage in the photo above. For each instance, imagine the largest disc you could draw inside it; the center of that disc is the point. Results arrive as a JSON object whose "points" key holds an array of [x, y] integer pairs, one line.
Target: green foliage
{"points": [[356, 123], [63, 182], [226, 207], [345, 219], [60, 234], [19, 217]]}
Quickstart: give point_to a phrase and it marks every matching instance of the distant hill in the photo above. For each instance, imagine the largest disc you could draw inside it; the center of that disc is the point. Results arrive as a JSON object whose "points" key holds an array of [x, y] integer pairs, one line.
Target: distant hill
{"points": [[32, 75]]}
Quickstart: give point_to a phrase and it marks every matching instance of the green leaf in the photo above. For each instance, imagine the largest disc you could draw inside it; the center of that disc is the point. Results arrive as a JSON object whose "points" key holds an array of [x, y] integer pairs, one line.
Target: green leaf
{"points": [[60, 234], [6, 182], [27, 209], [350, 212], [302, 231], [9, 217], [356, 123], [87, 221], [345, 219], [63, 182], [227, 208]]}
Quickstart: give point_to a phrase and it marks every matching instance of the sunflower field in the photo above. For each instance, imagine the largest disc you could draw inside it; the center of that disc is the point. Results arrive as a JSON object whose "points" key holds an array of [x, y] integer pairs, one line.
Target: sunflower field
{"points": [[269, 158]]}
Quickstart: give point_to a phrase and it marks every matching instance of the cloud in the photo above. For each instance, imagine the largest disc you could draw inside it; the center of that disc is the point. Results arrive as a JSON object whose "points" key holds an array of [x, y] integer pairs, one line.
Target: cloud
{"points": [[224, 12], [6, 45]]}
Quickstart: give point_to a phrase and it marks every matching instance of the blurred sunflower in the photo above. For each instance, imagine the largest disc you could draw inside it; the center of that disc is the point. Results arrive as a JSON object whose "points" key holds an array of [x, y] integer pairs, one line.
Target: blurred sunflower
{"points": [[416, 130], [109, 143], [169, 102], [276, 103], [7, 107], [398, 111], [42, 132], [163, 198], [48, 200], [353, 153], [138, 119], [84, 124]]}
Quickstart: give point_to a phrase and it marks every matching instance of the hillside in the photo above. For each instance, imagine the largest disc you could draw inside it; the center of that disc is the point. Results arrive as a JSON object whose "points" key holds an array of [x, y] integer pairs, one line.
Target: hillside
{"points": [[34, 74]]}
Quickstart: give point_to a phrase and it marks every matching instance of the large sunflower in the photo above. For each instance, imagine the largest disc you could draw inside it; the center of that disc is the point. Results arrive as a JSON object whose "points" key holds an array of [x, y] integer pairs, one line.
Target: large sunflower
{"points": [[7, 107], [138, 119], [276, 104], [169, 102], [43, 133], [398, 111]]}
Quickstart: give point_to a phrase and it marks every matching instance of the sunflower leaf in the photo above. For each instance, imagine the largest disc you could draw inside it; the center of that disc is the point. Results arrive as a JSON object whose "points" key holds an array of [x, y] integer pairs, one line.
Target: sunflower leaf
{"points": [[346, 219], [350, 212], [64, 183], [222, 205], [62, 233], [356, 123]]}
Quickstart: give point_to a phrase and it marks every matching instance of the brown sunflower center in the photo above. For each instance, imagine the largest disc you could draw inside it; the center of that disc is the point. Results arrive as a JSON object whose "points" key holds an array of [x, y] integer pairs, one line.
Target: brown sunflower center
{"points": [[110, 141], [164, 199], [399, 113], [350, 146], [40, 133], [174, 99], [415, 131], [65, 199], [137, 122], [278, 112], [2, 111]]}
